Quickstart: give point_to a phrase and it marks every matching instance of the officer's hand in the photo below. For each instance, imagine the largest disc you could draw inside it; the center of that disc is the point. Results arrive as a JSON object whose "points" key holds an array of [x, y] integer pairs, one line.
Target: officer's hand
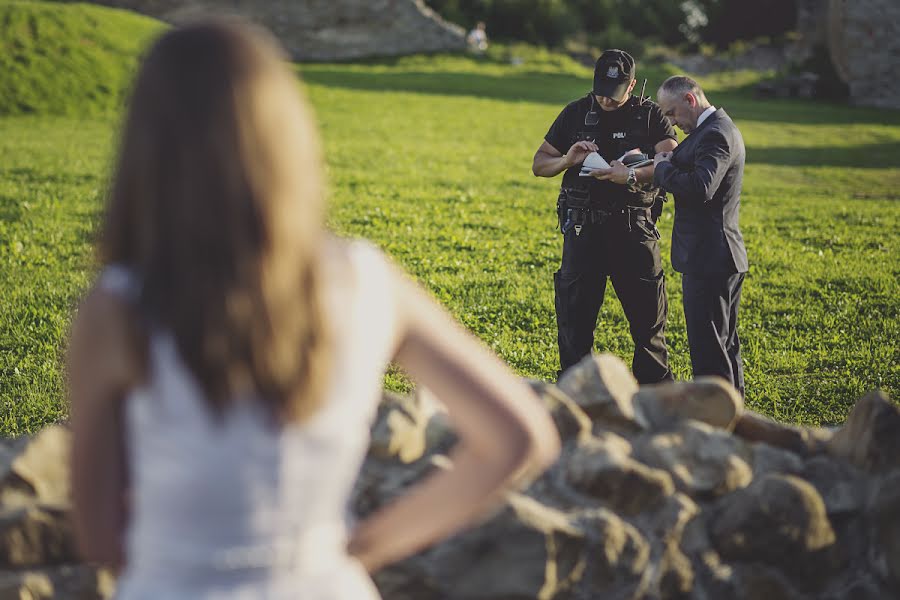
{"points": [[579, 151], [617, 173], [662, 157]]}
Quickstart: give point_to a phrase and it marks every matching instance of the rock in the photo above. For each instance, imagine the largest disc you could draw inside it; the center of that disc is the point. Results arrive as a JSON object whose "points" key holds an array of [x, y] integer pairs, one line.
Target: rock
{"points": [[667, 524], [406, 426], [756, 582], [603, 386], [702, 460], [524, 551], [767, 459], [35, 536], [382, 480], [618, 557], [711, 400], [43, 464], [779, 520], [676, 574], [622, 484], [69, 582], [884, 518], [870, 438], [326, 30], [801, 440], [844, 489], [859, 586], [571, 422]]}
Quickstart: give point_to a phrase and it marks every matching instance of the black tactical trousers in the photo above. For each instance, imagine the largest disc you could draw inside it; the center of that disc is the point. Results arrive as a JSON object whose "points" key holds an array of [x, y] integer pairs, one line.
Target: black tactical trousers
{"points": [[625, 249]]}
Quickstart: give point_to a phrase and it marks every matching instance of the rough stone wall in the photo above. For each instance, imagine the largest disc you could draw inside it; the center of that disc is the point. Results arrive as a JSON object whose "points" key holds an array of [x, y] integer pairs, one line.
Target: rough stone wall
{"points": [[863, 39], [663, 492], [326, 29]]}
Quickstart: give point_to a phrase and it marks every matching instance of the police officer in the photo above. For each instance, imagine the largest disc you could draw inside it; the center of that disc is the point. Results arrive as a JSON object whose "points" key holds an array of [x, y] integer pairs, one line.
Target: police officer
{"points": [[608, 215]]}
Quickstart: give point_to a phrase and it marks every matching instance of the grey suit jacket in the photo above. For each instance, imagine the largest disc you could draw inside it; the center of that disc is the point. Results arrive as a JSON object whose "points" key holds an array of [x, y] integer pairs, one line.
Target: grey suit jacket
{"points": [[705, 176]]}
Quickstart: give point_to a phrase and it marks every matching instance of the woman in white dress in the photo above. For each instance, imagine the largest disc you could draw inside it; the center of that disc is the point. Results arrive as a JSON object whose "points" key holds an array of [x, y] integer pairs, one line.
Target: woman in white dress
{"points": [[225, 368]]}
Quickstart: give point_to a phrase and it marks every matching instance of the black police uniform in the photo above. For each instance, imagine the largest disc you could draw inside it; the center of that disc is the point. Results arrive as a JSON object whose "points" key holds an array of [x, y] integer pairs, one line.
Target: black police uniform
{"points": [[609, 232]]}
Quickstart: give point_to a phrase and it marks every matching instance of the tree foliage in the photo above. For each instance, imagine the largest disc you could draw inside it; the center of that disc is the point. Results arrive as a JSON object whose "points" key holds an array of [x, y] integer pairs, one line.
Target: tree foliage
{"points": [[632, 23]]}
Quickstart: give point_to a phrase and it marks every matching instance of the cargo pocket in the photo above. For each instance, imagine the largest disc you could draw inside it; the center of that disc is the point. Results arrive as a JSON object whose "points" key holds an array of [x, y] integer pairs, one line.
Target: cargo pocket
{"points": [[566, 286], [646, 226]]}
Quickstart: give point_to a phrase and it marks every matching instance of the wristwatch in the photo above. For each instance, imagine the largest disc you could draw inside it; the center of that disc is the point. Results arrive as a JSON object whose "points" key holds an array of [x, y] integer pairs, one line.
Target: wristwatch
{"points": [[632, 177]]}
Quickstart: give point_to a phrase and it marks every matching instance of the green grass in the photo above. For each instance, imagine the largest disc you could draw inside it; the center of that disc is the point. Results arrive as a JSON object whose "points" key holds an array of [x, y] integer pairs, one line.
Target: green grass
{"points": [[430, 158], [71, 59]]}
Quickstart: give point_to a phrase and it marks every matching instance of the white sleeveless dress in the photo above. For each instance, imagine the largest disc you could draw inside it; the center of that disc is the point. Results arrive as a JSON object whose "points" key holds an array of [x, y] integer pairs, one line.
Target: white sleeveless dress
{"points": [[238, 508]]}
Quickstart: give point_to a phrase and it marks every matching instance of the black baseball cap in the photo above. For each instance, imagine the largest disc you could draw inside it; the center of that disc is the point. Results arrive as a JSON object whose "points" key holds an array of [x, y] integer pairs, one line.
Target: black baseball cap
{"points": [[612, 74]]}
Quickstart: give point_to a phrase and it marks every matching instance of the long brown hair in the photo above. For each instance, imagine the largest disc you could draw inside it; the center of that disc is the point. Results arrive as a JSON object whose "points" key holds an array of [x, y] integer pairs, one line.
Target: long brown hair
{"points": [[216, 203]]}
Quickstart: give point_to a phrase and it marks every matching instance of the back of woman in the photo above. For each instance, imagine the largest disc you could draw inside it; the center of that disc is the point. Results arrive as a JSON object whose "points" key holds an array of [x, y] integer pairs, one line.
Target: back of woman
{"points": [[225, 369], [273, 499]]}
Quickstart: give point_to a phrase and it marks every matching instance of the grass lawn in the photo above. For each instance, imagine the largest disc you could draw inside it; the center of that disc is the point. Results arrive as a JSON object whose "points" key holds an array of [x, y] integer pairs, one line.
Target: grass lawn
{"points": [[429, 157]]}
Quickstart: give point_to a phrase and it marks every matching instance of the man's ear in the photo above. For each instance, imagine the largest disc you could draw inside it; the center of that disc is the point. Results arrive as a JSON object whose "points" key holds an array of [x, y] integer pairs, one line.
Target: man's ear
{"points": [[691, 99]]}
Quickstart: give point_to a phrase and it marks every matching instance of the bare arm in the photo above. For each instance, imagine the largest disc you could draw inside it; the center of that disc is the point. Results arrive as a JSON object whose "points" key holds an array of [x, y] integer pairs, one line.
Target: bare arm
{"points": [[550, 162], [502, 427], [100, 370]]}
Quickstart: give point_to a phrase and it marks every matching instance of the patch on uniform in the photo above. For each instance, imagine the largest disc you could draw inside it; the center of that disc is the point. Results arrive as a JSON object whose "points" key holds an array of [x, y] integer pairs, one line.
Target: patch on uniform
{"points": [[618, 135], [613, 72]]}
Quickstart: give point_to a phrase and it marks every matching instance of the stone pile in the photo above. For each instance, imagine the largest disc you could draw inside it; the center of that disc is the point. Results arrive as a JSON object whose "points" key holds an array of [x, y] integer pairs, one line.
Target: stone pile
{"points": [[661, 492], [37, 550]]}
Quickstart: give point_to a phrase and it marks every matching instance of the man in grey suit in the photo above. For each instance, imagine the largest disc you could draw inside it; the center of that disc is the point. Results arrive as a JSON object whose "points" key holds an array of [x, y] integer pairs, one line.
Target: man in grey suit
{"points": [[705, 173]]}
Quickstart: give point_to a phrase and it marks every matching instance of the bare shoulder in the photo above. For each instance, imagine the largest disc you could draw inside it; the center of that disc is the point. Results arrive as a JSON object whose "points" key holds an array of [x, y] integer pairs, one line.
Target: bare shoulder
{"points": [[335, 253], [105, 344]]}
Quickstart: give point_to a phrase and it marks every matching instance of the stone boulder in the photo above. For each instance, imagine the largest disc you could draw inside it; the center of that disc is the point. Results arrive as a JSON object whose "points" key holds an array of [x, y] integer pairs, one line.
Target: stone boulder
{"points": [[325, 30], [660, 493]]}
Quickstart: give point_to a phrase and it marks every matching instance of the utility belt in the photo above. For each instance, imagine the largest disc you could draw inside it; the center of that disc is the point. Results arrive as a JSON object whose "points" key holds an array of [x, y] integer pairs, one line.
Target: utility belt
{"points": [[575, 209]]}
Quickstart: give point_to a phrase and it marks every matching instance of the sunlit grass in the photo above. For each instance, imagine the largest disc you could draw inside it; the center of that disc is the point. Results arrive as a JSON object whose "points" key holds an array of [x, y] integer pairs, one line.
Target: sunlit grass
{"points": [[430, 158]]}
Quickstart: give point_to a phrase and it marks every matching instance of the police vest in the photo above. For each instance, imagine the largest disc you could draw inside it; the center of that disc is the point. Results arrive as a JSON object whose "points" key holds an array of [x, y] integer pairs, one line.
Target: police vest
{"points": [[631, 130]]}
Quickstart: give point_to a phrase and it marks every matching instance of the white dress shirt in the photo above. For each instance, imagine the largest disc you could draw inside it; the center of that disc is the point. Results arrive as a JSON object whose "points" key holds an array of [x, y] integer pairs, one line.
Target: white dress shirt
{"points": [[705, 114]]}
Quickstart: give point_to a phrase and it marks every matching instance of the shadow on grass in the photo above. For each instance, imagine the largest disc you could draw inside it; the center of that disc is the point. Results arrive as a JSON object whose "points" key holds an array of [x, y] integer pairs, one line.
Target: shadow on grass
{"points": [[559, 89], [742, 105], [34, 176], [539, 87], [10, 210], [543, 88], [873, 156]]}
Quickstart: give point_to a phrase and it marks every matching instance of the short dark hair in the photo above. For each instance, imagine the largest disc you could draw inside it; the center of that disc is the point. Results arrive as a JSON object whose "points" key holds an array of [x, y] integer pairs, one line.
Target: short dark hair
{"points": [[679, 85]]}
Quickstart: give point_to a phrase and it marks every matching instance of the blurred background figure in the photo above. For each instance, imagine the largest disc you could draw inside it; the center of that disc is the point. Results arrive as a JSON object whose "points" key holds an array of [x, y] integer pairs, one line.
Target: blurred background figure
{"points": [[477, 38], [225, 368]]}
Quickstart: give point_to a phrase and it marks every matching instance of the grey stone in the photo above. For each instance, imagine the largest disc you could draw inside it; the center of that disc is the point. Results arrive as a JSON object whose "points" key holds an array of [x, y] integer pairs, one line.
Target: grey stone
{"points": [[767, 459], [804, 441], [35, 536], [884, 519], [676, 574], [603, 386], [526, 550], [844, 489], [617, 557], [407, 426], [702, 460], [757, 582], [570, 420], [779, 520], [622, 484], [44, 465], [870, 438], [325, 30], [667, 524], [711, 400], [69, 582]]}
